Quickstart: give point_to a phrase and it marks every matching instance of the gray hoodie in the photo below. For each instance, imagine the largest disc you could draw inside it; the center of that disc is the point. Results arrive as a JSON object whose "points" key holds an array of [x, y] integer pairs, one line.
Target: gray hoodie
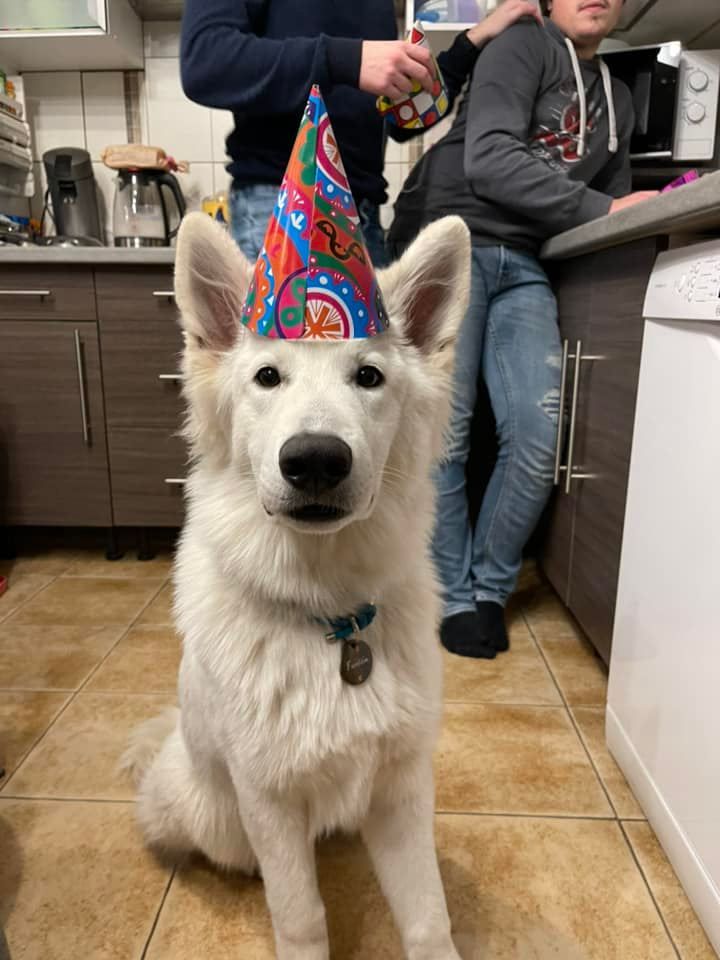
{"points": [[519, 164]]}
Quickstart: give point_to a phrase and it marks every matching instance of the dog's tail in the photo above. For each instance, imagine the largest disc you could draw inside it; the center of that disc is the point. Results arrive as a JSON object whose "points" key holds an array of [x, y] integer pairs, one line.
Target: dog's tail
{"points": [[146, 741]]}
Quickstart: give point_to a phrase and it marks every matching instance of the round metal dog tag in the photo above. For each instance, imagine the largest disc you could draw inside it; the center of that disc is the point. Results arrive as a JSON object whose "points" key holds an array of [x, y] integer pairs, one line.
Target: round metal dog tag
{"points": [[356, 663]]}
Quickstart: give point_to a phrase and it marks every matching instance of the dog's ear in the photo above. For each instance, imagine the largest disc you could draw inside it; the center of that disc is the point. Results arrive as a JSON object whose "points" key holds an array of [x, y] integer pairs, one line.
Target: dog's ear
{"points": [[427, 290], [212, 277]]}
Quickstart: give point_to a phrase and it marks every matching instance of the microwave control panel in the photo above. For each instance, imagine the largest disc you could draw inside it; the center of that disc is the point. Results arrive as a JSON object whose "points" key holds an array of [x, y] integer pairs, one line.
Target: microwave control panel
{"points": [[696, 109]]}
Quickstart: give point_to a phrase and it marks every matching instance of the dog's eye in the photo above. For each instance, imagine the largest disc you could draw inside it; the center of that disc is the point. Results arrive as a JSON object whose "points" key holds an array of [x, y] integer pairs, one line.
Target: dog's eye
{"points": [[267, 377], [369, 377]]}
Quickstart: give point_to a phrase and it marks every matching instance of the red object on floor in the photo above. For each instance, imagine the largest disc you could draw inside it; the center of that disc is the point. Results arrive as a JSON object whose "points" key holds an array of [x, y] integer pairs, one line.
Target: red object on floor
{"points": [[3, 585]]}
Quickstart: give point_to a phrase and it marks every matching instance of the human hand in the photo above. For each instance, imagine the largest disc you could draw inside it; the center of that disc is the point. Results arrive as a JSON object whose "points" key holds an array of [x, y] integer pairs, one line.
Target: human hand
{"points": [[631, 199], [389, 67], [502, 17]]}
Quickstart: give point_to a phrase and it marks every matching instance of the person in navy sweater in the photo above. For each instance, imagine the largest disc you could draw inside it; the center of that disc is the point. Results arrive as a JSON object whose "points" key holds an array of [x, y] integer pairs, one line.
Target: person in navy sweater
{"points": [[259, 58]]}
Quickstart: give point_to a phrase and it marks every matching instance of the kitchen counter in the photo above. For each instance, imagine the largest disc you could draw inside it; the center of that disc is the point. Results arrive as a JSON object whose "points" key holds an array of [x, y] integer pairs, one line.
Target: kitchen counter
{"points": [[106, 256], [694, 208]]}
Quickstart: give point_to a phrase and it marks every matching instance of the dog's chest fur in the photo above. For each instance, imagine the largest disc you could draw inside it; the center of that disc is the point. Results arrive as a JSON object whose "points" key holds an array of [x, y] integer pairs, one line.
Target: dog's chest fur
{"points": [[270, 694]]}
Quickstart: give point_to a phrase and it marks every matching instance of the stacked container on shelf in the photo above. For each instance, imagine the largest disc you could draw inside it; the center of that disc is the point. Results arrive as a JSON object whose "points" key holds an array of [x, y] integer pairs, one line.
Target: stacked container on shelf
{"points": [[16, 179]]}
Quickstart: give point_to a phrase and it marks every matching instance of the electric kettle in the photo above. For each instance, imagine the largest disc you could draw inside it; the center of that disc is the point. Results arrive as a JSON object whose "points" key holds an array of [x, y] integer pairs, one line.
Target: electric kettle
{"points": [[140, 215]]}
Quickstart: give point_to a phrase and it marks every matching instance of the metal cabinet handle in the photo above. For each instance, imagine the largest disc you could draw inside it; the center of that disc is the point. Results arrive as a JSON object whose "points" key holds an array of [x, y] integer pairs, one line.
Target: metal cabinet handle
{"points": [[174, 377], [26, 293], [573, 416], [175, 481], [165, 294], [81, 386], [561, 411], [579, 357]]}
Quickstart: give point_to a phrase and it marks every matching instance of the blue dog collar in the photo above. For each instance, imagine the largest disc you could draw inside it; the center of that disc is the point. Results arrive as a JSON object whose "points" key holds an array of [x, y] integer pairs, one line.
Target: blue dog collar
{"points": [[342, 628]]}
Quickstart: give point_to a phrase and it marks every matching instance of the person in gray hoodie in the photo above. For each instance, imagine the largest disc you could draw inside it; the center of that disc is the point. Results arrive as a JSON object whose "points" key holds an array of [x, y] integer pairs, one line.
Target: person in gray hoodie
{"points": [[540, 144]]}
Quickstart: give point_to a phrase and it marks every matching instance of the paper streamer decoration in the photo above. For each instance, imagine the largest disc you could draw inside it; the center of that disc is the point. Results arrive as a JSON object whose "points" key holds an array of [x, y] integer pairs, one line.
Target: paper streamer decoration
{"points": [[314, 279], [419, 108]]}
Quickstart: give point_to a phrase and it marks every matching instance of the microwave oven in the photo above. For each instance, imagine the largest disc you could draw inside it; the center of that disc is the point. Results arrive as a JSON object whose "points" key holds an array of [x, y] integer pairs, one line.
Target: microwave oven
{"points": [[675, 94]]}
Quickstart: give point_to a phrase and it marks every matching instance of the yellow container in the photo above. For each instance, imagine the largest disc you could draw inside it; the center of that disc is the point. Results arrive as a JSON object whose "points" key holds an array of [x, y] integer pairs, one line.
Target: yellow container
{"points": [[216, 207]]}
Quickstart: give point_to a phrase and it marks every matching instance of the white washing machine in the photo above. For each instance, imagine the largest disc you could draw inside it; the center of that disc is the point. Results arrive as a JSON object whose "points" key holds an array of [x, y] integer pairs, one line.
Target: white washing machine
{"points": [[663, 716]]}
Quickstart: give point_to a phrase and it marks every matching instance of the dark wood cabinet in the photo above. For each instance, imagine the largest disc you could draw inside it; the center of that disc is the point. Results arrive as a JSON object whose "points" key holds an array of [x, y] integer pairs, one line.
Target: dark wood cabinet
{"points": [[90, 404], [600, 299], [148, 473], [53, 455], [141, 344], [47, 293]]}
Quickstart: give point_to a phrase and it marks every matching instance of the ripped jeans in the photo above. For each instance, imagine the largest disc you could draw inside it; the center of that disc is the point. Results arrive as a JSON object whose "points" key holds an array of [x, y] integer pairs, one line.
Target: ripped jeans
{"points": [[510, 333]]}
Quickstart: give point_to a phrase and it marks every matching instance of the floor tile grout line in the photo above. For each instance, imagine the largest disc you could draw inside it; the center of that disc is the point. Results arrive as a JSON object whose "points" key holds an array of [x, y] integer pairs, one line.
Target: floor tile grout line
{"points": [[646, 881], [155, 922], [99, 693], [73, 695], [506, 703], [122, 636], [17, 609], [571, 717], [107, 576], [586, 748], [35, 743], [37, 799], [588, 818]]}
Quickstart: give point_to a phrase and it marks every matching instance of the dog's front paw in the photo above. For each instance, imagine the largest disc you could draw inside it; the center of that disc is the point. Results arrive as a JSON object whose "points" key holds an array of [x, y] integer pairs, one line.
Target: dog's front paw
{"points": [[442, 949], [292, 950]]}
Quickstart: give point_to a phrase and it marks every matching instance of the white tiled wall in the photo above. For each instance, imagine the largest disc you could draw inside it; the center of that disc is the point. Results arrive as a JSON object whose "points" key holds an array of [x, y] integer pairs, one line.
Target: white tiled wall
{"points": [[74, 109], [88, 110]]}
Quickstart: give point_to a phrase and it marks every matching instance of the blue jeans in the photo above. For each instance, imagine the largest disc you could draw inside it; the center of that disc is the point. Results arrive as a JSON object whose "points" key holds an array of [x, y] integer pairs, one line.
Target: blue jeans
{"points": [[510, 334], [251, 207]]}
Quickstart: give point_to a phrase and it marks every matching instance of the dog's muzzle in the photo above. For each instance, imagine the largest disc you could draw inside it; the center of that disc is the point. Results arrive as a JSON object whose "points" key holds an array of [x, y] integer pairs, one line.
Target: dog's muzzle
{"points": [[314, 465]]}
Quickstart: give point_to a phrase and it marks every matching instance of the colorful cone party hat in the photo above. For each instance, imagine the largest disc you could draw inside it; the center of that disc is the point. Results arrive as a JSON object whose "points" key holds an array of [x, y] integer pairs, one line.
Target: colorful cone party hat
{"points": [[314, 279], [419, 108]]}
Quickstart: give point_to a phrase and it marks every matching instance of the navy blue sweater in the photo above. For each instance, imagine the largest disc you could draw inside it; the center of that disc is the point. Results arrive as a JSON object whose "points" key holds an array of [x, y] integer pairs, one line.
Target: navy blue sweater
{"points": [[259, 58]]}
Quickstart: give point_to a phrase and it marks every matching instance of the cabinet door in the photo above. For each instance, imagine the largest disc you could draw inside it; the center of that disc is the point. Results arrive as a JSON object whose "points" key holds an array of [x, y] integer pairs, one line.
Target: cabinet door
{"points": [[603, 436], [53, 459], [573, 292], [148, 475]]}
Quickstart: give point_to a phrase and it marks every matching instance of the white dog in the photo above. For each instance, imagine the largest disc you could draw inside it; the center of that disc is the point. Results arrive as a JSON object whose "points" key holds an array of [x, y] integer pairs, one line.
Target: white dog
{"points": [[310, 498]]}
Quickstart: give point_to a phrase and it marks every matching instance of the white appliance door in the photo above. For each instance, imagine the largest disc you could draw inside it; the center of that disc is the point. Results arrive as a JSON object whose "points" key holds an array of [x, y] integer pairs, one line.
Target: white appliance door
{"points": [[664, 694]]}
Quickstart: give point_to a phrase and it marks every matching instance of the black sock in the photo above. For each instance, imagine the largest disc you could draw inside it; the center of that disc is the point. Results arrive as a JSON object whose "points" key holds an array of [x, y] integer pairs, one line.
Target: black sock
{"points": [[460, 634], [491, 623]]}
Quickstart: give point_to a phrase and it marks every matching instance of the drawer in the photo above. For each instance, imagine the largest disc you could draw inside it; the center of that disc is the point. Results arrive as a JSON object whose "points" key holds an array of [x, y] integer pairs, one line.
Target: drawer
{"points": [[141, 372], [46, 293], [147, 468], [135, 294]]}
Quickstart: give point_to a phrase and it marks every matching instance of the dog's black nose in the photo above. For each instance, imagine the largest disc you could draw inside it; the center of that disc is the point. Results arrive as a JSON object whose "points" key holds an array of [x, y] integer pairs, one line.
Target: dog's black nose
{"points": [[315, 462]]}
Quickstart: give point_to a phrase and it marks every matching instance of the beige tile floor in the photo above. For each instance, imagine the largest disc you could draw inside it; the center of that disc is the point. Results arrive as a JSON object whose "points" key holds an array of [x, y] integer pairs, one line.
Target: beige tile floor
{"points": [[544, 850]]}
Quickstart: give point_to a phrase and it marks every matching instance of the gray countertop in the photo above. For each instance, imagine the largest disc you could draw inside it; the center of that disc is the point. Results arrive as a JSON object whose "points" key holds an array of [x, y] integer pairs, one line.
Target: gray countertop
{"points": [[694, 208], [117, 256]]}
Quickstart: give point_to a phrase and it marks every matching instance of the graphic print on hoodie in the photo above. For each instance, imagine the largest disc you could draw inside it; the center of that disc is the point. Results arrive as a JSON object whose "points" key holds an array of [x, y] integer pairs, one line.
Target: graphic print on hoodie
{"points": [[519, 165], [557, 144]]}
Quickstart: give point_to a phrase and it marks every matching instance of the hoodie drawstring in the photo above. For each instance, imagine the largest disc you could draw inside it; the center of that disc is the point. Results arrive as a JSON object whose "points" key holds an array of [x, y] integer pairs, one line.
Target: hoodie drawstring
{"points": [[582, 100], [612, 120]]}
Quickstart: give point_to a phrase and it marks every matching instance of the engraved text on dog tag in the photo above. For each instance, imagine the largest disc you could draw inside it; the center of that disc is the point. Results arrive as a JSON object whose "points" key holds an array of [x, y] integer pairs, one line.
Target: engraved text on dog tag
{"points": [[356, 663]]}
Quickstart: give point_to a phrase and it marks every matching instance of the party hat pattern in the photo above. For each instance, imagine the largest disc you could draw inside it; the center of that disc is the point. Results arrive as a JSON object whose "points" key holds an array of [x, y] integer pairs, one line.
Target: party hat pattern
{"points": [[314, 279], [419, 108]]}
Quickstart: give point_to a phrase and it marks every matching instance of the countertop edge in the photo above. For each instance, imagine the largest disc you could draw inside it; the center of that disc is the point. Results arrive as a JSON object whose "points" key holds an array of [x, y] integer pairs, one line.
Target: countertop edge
{"points": [[89, 256], [694, 207]]}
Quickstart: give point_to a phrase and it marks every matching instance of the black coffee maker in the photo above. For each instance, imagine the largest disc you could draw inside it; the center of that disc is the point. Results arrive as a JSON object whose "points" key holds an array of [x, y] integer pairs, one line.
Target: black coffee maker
{"points": [[73, 191]]}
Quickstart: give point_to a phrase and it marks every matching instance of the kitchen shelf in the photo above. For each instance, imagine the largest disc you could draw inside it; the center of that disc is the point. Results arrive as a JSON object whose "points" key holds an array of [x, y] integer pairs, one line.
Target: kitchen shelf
{"points": [[16, 131], [16, 183], [13, 155], [16, 161], [11, 107]]}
